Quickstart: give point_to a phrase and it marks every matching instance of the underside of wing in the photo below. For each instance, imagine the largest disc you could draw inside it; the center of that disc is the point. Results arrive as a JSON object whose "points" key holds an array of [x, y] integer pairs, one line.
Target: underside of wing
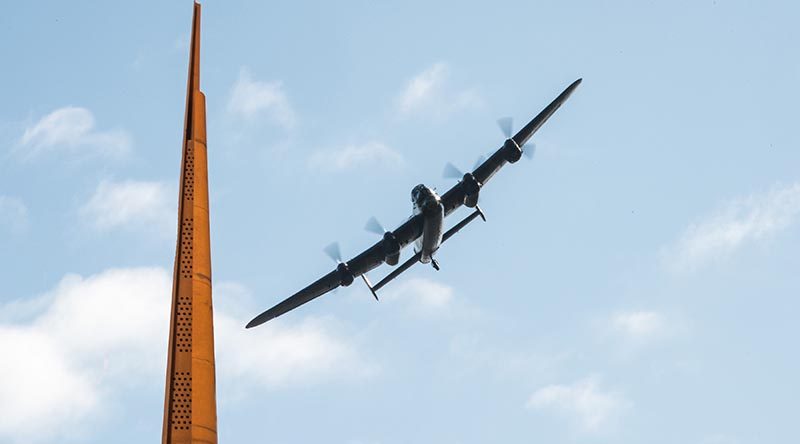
{"points": [[512, 148], [468, 188], [391, 243], [415, 258], [345, 272], [313, 291]]}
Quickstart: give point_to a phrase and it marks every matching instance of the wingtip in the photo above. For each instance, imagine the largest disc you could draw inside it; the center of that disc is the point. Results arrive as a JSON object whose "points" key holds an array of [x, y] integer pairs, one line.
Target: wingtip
{"points": [[253, 323], [528, 130]]}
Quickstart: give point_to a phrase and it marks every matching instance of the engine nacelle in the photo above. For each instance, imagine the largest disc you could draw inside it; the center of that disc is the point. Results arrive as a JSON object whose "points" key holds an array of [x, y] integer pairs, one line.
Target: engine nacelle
{"points": [[472, 189], [391, 248], [471, 200], [511, 151], [345, 276]]}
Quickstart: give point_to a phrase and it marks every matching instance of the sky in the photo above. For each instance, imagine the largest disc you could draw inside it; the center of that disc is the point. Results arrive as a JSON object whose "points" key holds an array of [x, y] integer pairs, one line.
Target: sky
{"points": [[635, 282]]}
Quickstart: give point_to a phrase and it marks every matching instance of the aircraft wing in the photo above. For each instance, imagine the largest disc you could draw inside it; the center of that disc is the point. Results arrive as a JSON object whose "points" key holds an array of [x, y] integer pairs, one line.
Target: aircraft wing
{"points": [[318, 288], [453, 198], [412, 229], [406, 233], [371, 258]]}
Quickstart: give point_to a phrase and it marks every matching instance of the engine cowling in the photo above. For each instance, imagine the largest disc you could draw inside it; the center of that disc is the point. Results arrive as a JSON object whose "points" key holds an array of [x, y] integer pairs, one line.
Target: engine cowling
{"points": [[345, 276], [391, 248], [472, 189], [511, 151]]}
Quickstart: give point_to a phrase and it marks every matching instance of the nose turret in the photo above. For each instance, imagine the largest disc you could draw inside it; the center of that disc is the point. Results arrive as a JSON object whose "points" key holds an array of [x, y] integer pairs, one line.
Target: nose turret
{"points": [[417, 193], [424, 197]]}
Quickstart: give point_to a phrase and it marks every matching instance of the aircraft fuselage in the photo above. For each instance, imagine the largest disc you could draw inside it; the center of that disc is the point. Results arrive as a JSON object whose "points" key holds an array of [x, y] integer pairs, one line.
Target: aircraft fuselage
{"points": [[426, 227], [429, 204]]}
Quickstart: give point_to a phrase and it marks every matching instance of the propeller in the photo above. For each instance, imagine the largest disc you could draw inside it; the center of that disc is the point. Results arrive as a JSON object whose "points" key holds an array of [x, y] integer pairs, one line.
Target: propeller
{"points": [[451, 172], [374, 226], [334, 252], [345, 276], [531, 127], [529, 150], [506, 125], [391, 247]]}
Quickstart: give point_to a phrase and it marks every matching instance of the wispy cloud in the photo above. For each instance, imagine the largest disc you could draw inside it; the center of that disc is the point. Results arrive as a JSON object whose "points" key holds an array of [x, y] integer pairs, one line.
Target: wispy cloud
{"points": [[356, 156], [71, 130], [583, 402], [422, 296], [429, 93], [181, 42], [132, 204], [13, 214], [735, 224], [479, 351], [250, 98], [638, 325], [95, 337]]}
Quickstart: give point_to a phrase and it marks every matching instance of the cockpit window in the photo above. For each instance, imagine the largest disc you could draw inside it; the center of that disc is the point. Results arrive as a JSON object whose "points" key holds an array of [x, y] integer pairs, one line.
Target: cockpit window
{"points": [[416, 192]]}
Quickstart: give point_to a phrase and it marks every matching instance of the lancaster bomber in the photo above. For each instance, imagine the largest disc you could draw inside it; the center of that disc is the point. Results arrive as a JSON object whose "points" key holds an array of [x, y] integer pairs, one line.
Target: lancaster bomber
{"points": [[426, 227]]}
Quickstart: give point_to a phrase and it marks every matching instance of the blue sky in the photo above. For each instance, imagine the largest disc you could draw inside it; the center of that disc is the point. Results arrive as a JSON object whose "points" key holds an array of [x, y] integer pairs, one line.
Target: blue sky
{"points": [[636, 282]]}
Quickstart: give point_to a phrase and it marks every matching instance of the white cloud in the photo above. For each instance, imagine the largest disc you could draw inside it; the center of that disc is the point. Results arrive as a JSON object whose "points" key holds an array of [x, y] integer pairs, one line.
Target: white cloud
{"points": [[638, 325], [72, 130], [13, 214], [422, 296], [429, 93], [737, 223], [95, 337], [132, 204], [250, 98], [356, 156], [583, 402], [60, 364], [40, 389], [423, 87], [281, 355]]}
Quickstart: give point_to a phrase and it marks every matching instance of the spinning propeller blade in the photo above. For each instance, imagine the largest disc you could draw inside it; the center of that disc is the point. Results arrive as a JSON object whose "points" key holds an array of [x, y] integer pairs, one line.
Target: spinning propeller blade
{"points": [[451, 172], [506, 125], [334, 252], [374, 226], [529, 150]]}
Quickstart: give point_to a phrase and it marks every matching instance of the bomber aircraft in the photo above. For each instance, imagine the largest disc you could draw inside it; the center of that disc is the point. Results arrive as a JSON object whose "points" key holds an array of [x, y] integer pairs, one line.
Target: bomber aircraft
{"points": [[425, 228]]}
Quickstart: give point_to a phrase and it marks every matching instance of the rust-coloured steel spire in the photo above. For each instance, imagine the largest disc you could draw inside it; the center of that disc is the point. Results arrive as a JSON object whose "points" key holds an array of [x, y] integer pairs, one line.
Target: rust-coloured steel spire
{"points": [[190, 405]]}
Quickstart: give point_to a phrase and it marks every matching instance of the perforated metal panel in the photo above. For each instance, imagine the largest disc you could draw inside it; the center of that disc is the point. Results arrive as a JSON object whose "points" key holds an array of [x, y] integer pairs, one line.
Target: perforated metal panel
{"points": [[186, 253], [180, 408], [188, 179], [181, 416]]}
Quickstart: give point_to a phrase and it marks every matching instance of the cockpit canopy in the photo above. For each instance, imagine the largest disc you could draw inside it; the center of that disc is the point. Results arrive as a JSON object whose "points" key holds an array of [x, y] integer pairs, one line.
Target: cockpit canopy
{"points": [[417, 192]]}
